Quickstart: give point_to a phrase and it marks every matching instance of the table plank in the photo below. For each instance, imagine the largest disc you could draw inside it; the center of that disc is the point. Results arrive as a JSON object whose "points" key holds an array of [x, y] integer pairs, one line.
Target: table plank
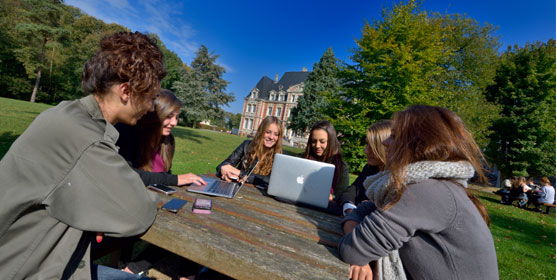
{"points": [[253, 236]]}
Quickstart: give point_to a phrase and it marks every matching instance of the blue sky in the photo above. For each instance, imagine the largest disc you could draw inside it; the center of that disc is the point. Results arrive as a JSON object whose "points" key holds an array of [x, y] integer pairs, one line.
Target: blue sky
{"points": [[256, 38]]}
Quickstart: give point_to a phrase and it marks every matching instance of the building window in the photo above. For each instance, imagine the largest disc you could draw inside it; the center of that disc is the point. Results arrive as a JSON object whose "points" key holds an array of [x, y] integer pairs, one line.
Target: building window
{"points": [[253, 108], [279, 110], [269, 111], [271, 97], [250, 124], [249, 108]]}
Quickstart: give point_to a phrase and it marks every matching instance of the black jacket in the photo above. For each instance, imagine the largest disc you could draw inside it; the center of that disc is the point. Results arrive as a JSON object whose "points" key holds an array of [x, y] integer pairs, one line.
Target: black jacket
{"points": [[128, 142], [237, 160], [356, 192]]}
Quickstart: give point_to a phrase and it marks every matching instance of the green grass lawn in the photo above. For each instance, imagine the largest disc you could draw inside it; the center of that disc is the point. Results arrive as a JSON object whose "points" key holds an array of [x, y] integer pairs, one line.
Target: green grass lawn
{"points": [[524, 240]]}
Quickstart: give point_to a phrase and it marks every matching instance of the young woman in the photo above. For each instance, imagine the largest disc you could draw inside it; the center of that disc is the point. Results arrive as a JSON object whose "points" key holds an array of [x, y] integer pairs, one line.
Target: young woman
{"points": [[545, 195], [149, 146], [261, 150], [423, 223], [324, 146], [376, 160]]}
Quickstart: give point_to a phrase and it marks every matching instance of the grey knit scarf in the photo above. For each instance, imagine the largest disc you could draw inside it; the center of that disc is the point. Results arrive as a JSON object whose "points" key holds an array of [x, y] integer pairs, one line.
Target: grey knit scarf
{"points": [[379, 191]]}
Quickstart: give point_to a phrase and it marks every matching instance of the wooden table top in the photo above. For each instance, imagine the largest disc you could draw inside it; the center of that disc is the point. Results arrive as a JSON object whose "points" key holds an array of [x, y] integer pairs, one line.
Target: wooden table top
{"points": [[252, 236]]}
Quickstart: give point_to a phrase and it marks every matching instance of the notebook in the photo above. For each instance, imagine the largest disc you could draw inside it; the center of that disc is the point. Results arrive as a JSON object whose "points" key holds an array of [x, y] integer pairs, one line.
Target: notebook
{"points": [[301, 180], [217, 187]]}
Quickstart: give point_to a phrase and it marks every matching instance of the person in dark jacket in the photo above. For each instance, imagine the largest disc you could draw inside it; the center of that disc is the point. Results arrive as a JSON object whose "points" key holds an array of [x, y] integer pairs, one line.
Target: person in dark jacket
{"points": [[376, 159], [261, 151], [149, 146]]}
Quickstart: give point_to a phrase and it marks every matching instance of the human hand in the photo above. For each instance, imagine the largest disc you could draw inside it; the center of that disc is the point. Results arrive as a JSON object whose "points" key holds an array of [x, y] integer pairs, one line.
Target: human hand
{"points": [[184, 179], [349, 226], [360, 272], [331, 197], [229, 173]]}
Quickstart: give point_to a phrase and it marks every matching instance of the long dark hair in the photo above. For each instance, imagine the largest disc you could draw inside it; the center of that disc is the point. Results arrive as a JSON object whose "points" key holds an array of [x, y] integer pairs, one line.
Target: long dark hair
{"points": [[150, 132], [332, 153], [423, 133], [257, 148]]}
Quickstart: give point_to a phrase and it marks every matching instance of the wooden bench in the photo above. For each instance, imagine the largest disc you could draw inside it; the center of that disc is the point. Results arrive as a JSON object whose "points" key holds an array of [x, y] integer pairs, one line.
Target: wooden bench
{"points": [[548, 207]]}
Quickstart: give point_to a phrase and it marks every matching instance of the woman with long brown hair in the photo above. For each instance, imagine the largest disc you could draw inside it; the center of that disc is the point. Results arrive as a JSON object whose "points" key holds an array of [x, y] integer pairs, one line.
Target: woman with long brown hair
{"points": [[323, 145], [261, 151], [420, 211], [376, 160]]}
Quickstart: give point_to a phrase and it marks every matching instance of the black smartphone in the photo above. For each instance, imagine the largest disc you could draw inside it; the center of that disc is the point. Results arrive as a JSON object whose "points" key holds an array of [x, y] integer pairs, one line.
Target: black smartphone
{"points": [[161, 188], [174, 205]]}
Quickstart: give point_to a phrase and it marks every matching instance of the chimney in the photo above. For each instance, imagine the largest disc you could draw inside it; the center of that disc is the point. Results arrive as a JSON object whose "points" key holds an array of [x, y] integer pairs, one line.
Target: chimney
{"points": [[304, 69], [276, 78]]}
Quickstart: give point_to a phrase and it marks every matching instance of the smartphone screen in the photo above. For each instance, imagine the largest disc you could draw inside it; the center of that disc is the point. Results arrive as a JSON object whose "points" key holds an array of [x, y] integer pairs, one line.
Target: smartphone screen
{"points": [[161, 188], [174, 205]]}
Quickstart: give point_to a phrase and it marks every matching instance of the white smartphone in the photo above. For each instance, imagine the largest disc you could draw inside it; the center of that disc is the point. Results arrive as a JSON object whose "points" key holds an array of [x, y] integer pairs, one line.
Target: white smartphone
{"points": [[161, 188]]}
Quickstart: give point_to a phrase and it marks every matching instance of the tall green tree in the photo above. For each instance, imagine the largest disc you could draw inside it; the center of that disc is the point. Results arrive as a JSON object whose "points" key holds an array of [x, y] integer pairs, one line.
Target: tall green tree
{"points": [[172, 63], [321, 83], [233, 120], [409, 57], [209, 75], [41, 29], [523, 142], [194, 99]]}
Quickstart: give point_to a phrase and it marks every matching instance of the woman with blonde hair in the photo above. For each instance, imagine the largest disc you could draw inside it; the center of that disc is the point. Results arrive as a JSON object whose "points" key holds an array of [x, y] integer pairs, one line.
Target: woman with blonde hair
{"points": [[545, 195], [261, 151], [420, 211], [376, 160]]}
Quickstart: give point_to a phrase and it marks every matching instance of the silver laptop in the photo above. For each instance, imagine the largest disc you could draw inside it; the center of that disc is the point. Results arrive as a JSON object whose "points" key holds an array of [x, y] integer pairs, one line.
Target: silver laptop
{"points": [[301, 180], [217, 187]]}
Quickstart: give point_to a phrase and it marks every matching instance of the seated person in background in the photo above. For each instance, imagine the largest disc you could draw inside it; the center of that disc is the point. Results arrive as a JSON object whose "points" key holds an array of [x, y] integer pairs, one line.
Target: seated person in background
{"points": [[545, 195], [375, 154], [149, 146], [517, 192], [265, 144], [421, 221], [324, 146], [63, 180], [532, 185]]}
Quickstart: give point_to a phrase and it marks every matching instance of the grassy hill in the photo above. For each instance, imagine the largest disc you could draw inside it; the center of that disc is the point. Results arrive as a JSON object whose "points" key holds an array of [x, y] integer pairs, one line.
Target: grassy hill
{"points": [[524, 240]]}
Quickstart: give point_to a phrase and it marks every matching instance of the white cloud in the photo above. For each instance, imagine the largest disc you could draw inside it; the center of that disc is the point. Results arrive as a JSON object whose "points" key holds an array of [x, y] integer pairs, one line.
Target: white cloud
{"points": [[150, 16]]}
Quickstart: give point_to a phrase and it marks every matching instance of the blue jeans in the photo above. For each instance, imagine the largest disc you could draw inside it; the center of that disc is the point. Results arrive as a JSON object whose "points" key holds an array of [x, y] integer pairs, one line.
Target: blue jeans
{"points": [[101, 272]]}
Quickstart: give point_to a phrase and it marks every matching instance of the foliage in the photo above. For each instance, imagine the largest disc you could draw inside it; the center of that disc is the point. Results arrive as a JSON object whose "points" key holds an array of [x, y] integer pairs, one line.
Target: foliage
{"points": [[205, 85], [411, 57], [321, 83], [523, 142], [172, 63], [233, 120]]}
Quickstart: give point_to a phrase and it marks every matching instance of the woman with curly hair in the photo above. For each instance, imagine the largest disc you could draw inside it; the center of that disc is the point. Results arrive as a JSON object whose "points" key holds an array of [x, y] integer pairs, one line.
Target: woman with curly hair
{"points": [[261, 151], [420, 211]]}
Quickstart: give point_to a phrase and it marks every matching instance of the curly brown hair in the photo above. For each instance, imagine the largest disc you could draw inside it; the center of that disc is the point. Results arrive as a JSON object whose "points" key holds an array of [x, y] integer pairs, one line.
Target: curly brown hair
{"points": [[125, 57]]}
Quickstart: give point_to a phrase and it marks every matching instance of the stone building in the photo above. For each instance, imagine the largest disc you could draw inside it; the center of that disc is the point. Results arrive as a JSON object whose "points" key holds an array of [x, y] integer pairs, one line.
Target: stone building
{"points": [[274, 98]]}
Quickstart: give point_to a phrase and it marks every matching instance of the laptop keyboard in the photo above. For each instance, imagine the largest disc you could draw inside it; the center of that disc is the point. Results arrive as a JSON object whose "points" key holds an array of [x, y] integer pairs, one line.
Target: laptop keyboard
{"points": [[220, 187]]}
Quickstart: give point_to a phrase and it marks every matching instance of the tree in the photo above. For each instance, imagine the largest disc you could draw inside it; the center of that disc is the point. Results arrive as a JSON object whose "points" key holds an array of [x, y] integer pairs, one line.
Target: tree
{"points": [[40, 30], [172, 63], [233, 120], [411, 57], [523, 142], [320, 84], [194, 99], [209, 75]]}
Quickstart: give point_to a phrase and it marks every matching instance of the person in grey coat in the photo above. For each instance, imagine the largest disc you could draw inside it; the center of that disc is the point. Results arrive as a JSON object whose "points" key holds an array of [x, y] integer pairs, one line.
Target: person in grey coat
{"points": [[421, 221], [64, 185]]}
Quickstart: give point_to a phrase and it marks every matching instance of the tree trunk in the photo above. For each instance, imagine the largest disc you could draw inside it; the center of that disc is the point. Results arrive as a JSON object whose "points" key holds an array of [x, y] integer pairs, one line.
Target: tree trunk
{"points": [[38, 81]]}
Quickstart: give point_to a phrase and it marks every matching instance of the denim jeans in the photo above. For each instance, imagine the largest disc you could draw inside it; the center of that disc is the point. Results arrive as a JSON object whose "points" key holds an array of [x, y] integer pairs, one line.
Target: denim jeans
{"points": [[101, 272]]}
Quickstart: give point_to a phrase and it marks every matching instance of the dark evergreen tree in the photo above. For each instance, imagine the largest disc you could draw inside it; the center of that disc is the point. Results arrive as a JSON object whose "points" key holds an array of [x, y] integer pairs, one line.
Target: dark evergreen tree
{"points": [[321, 83], [523, 142], [194, 99]]}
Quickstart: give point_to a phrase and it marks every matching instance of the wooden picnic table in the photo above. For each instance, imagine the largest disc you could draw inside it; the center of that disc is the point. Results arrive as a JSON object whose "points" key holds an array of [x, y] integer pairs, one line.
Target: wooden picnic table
{"points": [[252, 236]]}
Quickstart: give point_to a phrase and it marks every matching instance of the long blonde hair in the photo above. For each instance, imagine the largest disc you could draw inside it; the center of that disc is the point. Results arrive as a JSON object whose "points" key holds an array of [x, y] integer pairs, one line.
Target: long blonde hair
{"points": [[150, 132], [375, 135], [257, 148]]}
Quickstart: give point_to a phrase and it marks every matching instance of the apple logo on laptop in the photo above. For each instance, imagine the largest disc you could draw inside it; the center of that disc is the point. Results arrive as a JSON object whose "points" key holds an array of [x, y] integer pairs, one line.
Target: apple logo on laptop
{"points": [[300, 180]]}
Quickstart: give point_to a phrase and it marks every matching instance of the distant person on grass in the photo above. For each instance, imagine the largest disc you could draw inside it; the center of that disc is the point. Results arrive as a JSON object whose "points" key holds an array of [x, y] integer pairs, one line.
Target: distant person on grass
{"points": [[324, 146], [376, 160], [421, 221], [63, 180], [265, 144], [149, 146], [545, 195]]}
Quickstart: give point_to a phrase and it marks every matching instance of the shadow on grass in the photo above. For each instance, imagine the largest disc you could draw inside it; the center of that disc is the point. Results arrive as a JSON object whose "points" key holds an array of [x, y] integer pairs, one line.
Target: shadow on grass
{"points": [[189, 134], [6, 140]]}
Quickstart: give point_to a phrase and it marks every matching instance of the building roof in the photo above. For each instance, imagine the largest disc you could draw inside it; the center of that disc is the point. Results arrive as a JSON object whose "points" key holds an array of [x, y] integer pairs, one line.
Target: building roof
{"points": [[266, 84]]}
